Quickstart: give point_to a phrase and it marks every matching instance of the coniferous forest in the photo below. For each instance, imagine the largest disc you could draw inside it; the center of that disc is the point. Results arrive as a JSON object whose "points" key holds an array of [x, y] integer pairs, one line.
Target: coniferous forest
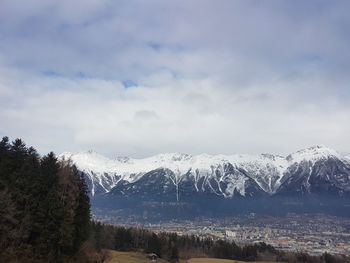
{"points": [[45, 217], [44, 206]]}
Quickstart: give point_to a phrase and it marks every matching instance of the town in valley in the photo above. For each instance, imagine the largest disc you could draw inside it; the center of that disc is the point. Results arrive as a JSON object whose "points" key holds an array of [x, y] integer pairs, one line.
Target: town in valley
{"points": [[311, 233]]}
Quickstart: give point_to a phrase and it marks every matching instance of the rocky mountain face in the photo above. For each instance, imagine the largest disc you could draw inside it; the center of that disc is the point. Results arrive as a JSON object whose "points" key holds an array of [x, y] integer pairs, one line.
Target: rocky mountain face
{"points": [[176, 177]]}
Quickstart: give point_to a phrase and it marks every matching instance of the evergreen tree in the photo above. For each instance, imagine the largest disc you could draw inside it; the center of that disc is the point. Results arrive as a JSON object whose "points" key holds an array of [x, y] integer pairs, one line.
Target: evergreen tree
{"points": [[154, 245], [173, 252], [82, 212], [44, 206]]}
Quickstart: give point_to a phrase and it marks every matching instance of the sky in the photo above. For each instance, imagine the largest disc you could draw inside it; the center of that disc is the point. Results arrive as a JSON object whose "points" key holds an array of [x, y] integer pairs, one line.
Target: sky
{"points": [[137, 78]]}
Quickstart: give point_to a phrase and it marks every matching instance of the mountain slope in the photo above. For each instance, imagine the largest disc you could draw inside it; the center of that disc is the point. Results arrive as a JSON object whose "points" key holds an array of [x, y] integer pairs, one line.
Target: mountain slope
{"points": [[324, 172]]}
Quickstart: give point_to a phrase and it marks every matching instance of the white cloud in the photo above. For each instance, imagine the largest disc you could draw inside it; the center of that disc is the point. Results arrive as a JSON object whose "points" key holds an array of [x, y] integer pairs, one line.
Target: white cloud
{"points": [[80, 114], [234, 76]]}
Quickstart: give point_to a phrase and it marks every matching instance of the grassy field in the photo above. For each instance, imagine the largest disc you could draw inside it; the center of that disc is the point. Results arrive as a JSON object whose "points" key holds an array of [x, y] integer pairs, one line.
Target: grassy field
{"points": [[210, 260], [135, 257], [129, 257], [216, 260]]}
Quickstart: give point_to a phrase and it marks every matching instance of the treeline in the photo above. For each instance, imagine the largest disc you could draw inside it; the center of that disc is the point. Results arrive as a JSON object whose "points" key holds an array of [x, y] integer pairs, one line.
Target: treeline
{"points": [[171, 246], [44, 206]]}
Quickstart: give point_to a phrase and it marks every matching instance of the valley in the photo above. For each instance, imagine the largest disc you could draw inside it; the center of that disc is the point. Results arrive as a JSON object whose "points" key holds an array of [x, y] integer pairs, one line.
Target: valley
{"points": [[315, 233]]}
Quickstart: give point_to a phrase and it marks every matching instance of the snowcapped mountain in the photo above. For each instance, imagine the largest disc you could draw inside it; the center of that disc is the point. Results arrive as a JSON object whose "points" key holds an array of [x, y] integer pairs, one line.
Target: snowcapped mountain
{"points": [[316, 169]]}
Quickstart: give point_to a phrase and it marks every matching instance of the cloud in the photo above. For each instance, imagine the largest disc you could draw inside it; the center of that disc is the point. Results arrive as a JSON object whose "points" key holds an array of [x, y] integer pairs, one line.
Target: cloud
{"points": [[145, 115], [139, 78]]}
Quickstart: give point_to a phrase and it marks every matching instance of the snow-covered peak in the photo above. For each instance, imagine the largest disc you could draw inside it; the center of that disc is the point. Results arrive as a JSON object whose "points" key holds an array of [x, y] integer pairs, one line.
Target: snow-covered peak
{"points": [[313, 154], [171, 157], [90, 161], [180, 162], [267, 170]]}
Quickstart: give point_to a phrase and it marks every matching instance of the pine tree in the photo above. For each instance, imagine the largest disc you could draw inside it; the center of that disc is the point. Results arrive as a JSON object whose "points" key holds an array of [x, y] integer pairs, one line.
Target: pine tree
{"points": [[82, 211], [173, 252], [154, 245]]}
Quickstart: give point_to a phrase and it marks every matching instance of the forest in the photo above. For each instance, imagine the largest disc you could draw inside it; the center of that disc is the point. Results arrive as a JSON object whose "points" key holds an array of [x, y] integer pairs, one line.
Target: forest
{"points": [[45, 217], [44, 206]]}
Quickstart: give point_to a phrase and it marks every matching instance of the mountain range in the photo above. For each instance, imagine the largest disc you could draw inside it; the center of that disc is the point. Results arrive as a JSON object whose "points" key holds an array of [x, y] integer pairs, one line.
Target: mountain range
{"points": [[315, 170]]}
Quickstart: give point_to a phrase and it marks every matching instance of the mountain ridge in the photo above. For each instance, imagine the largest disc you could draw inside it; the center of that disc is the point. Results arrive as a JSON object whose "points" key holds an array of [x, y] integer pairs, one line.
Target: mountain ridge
{"points": [[226, 175]]}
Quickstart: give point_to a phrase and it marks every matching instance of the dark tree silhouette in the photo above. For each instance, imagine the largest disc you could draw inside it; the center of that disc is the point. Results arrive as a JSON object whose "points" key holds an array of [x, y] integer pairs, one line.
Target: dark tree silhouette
{"points": [[44, 206]]}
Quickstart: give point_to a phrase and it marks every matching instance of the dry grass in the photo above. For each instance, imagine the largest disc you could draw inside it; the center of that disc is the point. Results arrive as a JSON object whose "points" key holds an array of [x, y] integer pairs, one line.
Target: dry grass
{"points": [[135, 257], [209, 260], [216, 260], [129, 257]]}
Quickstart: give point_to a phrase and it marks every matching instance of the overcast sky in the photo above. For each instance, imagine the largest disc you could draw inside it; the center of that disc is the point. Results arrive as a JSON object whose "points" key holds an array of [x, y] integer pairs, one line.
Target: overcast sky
{"points": [[139, 78]]}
